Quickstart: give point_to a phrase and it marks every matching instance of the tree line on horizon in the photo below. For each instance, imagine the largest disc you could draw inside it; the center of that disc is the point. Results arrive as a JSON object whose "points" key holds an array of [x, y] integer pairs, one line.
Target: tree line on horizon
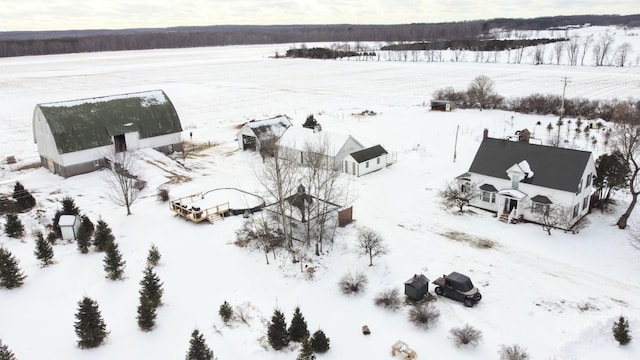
{"points": [[26, 43]]}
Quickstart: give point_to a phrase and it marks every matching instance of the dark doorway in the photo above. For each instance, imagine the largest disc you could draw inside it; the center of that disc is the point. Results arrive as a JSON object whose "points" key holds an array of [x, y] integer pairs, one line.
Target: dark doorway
{"points": [[510, 204], [120, 143]]}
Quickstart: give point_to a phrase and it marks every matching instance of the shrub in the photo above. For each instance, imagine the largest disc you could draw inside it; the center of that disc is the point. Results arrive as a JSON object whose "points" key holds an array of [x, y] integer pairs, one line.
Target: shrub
{"points": [[424, 315], [389, 298], [468, 335], [513, 352], [353, 283], [320, 342], [163, 195]]}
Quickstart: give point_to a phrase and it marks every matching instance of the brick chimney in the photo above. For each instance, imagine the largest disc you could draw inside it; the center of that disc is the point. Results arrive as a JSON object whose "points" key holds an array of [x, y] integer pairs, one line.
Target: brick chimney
{"points": [[485, 133]]}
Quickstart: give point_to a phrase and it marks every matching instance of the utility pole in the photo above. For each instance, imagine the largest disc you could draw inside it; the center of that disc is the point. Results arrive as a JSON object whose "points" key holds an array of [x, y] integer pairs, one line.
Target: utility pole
{"points": [[560, 122], [455, 145]]}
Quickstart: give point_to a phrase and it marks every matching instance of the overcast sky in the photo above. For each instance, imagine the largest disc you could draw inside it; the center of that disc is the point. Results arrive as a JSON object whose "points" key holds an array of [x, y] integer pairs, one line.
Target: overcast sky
{"points": [[121, 14]]}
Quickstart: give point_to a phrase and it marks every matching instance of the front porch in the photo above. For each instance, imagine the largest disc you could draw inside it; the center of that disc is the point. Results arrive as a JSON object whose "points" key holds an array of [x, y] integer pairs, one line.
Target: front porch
{"points": [[510, 206]]}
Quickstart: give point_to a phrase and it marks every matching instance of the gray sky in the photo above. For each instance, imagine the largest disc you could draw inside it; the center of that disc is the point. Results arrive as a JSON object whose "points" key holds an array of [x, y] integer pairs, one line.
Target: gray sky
{"points": [[120, 14]]}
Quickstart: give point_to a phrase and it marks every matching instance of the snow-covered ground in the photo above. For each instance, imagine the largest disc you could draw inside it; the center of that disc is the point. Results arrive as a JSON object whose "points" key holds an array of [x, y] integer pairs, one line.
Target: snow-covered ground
{"points": [[556, 295]]}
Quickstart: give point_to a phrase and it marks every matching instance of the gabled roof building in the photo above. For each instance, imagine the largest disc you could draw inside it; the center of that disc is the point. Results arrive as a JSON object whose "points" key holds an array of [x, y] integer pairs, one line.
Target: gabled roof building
{"points": [[520, 181], [365, 161], [73, 137]]}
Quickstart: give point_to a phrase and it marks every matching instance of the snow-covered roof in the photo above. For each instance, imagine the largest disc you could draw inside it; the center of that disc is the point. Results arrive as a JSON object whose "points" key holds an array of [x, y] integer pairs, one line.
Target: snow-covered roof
{"points": [[514, 193], [526, 169], [67, 220], [300, 138]]}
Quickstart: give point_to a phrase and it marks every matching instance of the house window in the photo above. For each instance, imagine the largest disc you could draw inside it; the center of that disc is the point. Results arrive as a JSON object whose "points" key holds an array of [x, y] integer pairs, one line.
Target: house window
{"points": [[515, 180], [378, 161], [539, 208], [588, 183], [96, 163], [489, 197], [576, 210], [366, 164], [579, 187], [585, 202]]}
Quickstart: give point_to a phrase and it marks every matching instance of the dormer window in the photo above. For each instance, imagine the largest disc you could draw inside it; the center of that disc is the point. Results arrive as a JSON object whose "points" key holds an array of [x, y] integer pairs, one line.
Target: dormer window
{"points": [[515, 180], [579, 187]]}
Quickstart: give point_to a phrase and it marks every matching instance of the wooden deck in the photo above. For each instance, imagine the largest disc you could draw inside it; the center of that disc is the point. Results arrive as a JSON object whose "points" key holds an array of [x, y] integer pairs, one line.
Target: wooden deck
{"points": [[193, 208]]}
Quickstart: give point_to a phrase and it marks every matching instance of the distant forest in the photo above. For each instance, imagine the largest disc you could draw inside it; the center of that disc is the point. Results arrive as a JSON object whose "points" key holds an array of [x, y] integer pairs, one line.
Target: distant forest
{"points": [[77, 41]]}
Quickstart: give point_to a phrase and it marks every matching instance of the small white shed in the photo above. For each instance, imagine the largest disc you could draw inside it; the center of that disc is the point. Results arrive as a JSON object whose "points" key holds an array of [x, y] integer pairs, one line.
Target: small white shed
{"points": [[69, 225]]}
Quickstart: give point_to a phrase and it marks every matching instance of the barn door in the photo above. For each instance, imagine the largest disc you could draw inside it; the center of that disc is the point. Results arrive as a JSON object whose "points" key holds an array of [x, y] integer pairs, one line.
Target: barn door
{"points": [[120, 143]]}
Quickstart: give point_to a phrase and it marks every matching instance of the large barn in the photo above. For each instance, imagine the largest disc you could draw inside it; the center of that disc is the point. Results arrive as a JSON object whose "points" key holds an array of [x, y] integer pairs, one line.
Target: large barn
{"points": [[73, 137]]}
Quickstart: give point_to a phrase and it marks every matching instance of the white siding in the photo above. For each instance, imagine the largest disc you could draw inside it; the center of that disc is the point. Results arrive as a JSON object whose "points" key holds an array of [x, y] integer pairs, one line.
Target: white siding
{"points": [[44, 138]]}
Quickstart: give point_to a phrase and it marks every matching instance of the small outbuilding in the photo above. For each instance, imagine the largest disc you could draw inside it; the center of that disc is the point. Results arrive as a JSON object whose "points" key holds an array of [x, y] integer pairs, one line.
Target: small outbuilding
{"points": [[365, 161], [69, 226], [442, 105], [256, 134], [416, 287]]}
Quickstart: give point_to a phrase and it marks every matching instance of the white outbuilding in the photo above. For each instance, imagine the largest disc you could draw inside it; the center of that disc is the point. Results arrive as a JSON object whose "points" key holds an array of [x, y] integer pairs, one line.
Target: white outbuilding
{"points": [[365, 161], [69, 226], [73, 137]]}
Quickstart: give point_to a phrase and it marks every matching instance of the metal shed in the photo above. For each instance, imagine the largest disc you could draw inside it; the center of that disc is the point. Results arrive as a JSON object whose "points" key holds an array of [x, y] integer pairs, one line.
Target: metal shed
{"points": [[416, 287], [69, 226]]}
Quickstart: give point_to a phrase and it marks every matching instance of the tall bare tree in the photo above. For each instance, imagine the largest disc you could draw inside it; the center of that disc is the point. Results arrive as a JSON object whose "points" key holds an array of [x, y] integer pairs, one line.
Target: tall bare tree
{"points": [[371, 244], [626, 140], [278, 176], [124, 180], [622, 54], [558, 50], [573, 48], [480, 91], [586, 43], [458, 195]]}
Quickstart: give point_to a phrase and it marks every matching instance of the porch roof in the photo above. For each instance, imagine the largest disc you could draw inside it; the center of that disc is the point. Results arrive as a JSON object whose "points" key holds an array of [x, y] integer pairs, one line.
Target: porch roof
{"points": [[514, 193]]}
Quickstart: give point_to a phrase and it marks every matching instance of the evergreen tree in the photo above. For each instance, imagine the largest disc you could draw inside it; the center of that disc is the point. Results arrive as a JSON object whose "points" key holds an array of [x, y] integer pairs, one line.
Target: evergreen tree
{"points": [[153, 258], [55, 226], [83, 237], [310, 122], [277, 332], [225, 312], [103, 236], [306, 352], [6, 353], [113, 263], [146, 315], [10, 274], [90, 326], [52, 237], [151, 288], [44, 250], [13, 226], [621, 331], [320, 342], [24, 199], [198, 348], [298, 330]]}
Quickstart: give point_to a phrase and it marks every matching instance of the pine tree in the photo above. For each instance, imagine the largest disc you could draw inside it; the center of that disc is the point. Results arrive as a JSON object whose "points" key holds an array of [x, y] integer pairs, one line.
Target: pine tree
{"points": [[55, 226], [83, 237], [306, 352], [6, 353], [151, 288], [52, 238], [225, 311], [10, 274], [298, 330], [103, 236], [146, 315], [90, 326], [621, 331], [113, 263], [198, 348], [13, 226], [153, 258], [44, 250], [24, 199], [277, 332], [320, 342]]}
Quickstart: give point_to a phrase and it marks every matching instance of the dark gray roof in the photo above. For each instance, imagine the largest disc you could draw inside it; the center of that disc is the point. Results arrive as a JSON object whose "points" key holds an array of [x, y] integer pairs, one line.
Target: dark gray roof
{"points": [[417, 281], [488, 187], [89, 123], [373, 152], [555, 168], [541, 199]]}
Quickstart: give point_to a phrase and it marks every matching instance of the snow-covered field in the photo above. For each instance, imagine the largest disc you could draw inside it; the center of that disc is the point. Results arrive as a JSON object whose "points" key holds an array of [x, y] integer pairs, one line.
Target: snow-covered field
{"points": [[556, 295]]}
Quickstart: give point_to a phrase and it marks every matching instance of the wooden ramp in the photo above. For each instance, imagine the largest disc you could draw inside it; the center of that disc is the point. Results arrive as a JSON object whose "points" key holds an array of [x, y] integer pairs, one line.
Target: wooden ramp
{"points": [[194, 208]]}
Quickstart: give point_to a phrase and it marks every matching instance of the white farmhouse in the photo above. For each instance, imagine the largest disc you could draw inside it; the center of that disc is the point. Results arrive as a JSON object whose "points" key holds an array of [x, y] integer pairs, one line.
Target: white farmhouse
{"points": [[74, 137], [365, 161], [520, 181], [304, 145]]}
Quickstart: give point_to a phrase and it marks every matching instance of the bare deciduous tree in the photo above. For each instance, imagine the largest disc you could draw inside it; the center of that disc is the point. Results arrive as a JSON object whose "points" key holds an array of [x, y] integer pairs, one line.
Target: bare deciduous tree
{"points": [[626, 140], [480, 91], [549, 216], [370, 243], [622, 54], [558, 50], [125, 182], [586, 43], [459, 195], [573, 48]]}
